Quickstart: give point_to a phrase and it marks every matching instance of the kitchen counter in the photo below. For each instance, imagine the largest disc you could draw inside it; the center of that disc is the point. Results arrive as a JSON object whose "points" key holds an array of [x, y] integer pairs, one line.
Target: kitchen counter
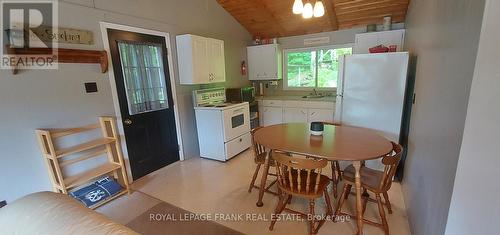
{"points": [[299, 98]]}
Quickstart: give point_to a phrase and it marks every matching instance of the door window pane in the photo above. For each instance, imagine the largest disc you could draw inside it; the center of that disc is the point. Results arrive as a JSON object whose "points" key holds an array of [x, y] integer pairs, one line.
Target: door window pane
{"points": [[144, 75]]}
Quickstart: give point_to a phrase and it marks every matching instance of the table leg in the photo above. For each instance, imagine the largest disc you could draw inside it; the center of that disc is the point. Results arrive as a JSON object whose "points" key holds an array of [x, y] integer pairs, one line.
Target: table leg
{"points": [[263, 180], [359, 207]]}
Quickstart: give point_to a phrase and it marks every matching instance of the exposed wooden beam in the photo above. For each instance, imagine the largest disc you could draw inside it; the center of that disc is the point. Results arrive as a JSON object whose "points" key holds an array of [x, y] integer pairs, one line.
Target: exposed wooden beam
{"points": [[331, 14], [357, 2], [370, 4]]}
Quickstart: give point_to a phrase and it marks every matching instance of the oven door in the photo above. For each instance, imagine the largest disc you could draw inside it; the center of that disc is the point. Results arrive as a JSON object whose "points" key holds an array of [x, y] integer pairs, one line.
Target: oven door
{"points": [[236, 122]]}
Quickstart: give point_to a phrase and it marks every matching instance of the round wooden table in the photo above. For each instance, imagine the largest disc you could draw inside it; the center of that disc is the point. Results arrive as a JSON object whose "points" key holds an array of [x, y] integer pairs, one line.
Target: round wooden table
{"points": [[337, 143]]}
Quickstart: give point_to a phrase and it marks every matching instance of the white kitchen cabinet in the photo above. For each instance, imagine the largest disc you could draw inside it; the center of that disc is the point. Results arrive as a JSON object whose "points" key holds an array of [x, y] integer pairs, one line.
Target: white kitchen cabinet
{"points": [[274, 111], [294, 115], [272, 115], [365, 41], [201, 60], [264, 62], [318, 115], [216, 64]]}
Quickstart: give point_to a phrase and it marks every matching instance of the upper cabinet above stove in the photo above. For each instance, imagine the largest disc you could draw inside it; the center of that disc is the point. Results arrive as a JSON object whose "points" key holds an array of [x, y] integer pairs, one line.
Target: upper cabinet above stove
{"points": [[200, 59]]}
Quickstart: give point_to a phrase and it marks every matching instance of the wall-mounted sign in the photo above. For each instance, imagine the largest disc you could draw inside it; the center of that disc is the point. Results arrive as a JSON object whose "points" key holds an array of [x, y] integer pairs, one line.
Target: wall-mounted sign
{"points": [[65, 35], [316, 41]]}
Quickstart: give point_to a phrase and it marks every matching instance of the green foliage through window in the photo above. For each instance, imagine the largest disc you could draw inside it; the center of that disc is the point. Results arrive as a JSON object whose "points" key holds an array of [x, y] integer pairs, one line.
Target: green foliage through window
{"points": [[317, 68]]}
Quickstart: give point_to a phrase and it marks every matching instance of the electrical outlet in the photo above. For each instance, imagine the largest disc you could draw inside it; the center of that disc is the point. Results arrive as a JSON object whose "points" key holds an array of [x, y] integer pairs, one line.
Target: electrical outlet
{"points": [[90, 87], [273, 83]]}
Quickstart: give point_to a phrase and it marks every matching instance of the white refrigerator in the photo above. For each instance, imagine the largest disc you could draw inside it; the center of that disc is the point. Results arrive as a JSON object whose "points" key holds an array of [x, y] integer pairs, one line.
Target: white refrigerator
{"points": [[371, 93]]}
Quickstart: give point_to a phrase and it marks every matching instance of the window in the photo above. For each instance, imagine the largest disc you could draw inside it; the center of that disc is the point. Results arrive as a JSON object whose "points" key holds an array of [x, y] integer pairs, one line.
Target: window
{"points": [[142, 66], [311, 68]]}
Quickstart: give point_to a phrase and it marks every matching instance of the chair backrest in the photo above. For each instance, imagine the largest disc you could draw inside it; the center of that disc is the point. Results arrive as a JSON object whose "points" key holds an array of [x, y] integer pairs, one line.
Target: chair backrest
{"points": [[390, 162], [296, 173], [258, 148]]}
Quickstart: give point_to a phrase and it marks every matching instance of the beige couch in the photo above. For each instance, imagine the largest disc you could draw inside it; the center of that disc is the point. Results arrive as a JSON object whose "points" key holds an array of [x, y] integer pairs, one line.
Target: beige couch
{"points": [[52, 213]]}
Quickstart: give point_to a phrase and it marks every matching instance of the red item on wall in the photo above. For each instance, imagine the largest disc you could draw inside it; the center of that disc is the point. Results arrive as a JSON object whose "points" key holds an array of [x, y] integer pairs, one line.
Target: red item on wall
{"points": [[243, 68], [379, 49]]}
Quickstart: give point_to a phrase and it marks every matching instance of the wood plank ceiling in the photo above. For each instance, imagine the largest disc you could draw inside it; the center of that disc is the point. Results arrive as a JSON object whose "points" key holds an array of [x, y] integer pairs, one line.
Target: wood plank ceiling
{"points": [[274, 18]]}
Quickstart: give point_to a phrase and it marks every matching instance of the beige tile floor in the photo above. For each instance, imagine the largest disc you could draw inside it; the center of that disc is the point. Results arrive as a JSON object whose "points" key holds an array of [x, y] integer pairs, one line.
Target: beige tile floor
{"points": [[210, 187]]}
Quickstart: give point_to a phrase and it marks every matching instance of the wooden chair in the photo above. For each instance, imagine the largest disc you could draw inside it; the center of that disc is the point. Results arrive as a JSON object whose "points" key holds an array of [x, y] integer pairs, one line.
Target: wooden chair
{"points": [[301, 177], [377, 182], [336, 171], [260, 155]]}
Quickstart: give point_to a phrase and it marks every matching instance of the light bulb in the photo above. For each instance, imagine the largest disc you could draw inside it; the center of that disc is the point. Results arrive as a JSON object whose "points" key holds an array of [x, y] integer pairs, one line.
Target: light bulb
{"points": [[298, 6], [308, 11], [319, 9]]}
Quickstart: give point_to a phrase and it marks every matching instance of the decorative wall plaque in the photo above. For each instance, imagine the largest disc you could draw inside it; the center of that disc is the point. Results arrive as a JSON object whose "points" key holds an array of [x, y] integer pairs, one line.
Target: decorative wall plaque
{"points": [[65, 35]]}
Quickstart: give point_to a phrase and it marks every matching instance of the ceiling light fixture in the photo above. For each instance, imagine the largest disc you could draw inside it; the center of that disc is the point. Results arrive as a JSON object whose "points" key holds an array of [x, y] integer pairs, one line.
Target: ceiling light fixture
{"points": [[308, 11], [298, 7], [319, 9]]}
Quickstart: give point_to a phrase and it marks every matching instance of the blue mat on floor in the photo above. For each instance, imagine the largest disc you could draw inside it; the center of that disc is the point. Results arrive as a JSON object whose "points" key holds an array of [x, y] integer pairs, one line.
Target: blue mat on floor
{"points": [[96, 192]]}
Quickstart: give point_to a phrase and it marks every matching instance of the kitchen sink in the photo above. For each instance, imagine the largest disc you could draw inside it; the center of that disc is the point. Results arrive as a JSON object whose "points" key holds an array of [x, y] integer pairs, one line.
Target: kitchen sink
{"points": [[313, 96]]}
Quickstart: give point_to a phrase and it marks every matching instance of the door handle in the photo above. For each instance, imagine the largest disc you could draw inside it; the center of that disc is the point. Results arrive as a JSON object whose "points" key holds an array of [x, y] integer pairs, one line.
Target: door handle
{"points": [[127, 121]]}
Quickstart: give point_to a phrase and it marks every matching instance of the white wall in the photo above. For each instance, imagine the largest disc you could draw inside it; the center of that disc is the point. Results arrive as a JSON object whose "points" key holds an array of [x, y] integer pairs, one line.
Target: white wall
{"points": [[42, 99], [475, 204], [443, 36]]}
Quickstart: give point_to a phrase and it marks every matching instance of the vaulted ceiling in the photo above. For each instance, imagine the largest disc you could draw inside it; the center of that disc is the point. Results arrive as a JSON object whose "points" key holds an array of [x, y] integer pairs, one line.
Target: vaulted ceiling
{"points": [[274, 18]]}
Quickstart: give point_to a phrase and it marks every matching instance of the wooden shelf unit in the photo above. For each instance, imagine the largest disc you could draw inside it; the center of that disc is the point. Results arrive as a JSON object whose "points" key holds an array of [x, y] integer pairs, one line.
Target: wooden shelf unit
{"points": [[107, 145]]}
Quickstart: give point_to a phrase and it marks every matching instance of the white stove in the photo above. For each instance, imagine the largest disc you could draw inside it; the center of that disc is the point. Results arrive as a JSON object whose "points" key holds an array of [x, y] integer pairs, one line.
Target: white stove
{"points": [[223, 128]]}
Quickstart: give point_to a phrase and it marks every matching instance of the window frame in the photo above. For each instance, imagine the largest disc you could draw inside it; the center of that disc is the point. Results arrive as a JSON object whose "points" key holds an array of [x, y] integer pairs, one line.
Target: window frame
{"points": [[306, 49]]}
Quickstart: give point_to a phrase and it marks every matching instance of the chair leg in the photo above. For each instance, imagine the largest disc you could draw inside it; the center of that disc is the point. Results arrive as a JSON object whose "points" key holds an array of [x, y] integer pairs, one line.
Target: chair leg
{"points": [[279, 209], [339, 171], [252, 184], [348, 191], [365, 197], [312, 230], [342, 198], [289, 199], [334, 179], [329, 209], [387, 202], [381, 211]]}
